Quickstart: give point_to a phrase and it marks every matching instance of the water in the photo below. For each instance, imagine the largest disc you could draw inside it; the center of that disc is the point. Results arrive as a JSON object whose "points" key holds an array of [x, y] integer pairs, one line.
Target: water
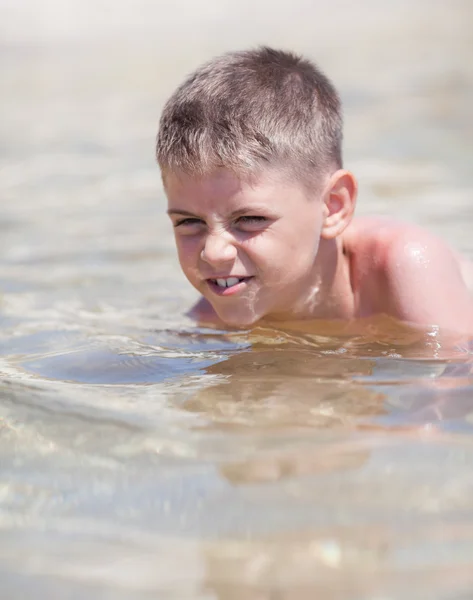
{"points": [[144, 457]]}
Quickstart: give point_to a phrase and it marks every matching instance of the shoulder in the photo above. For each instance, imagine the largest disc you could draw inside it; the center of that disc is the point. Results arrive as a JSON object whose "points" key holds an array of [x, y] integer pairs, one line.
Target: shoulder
{"points": [[413, 249], [424, 280], [378, 230], [418, 275], [390, 243]]}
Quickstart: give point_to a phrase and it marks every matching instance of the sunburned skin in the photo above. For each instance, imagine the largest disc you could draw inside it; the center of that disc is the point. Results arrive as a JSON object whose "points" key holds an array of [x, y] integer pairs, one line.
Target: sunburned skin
{"points": [[290, 255], [406, 272]]}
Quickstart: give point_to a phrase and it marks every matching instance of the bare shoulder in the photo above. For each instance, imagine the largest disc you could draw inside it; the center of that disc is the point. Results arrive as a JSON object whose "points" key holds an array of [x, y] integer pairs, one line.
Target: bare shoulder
{"points": [[376, 244], [386, 242], [381, 232], [414, 274]]}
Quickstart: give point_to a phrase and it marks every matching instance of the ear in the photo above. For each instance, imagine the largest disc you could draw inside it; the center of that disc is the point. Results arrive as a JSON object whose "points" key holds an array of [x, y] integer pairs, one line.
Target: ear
{"points": [[339, 203]]}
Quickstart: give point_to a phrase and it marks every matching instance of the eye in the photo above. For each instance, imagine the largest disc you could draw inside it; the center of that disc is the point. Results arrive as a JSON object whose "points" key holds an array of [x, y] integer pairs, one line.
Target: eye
{"points": [[187, 222], [188, 226], [252, 222]]}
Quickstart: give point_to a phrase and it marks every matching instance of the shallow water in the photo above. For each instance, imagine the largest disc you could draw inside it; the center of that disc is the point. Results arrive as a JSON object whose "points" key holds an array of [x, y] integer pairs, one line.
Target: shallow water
{"points": [[144, 457]]}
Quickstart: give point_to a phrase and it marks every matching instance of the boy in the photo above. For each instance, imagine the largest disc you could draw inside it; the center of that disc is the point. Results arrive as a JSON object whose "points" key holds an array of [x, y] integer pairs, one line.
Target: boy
{"points": [[250, 152]]}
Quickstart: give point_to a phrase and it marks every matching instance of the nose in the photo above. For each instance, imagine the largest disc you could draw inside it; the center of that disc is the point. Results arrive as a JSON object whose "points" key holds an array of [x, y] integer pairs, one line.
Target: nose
{"points": [[218, 248]]}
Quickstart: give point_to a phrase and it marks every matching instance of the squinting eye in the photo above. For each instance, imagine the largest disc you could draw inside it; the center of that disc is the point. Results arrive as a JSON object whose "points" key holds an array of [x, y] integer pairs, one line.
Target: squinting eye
{"points": [[187, 222], [252, 220]]}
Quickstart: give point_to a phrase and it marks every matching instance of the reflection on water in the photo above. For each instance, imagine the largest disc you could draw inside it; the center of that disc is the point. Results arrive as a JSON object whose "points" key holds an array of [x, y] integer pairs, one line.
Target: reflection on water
{"points": [[144, 457], [260, 463]]}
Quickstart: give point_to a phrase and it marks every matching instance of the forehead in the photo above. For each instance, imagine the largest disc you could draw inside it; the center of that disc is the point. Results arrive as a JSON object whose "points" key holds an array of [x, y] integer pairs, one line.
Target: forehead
{"points": [[220, 183], [226, 187]]}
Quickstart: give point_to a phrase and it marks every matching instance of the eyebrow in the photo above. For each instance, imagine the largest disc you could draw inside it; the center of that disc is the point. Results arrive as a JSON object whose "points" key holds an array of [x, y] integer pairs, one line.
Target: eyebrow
{"points": [[235, 213], [177, 211]]}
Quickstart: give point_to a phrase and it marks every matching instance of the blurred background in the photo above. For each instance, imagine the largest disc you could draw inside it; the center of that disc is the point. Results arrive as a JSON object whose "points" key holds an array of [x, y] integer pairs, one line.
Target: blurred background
{"points": [[82, 85], [124, 445]]}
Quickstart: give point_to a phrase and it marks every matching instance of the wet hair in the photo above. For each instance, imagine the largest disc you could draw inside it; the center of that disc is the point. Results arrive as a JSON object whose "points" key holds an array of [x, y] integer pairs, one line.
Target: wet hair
{"points": [[252, 109]]}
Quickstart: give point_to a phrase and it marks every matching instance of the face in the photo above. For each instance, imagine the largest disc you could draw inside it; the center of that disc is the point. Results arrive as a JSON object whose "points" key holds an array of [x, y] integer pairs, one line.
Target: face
{"points": [[249, 247]]}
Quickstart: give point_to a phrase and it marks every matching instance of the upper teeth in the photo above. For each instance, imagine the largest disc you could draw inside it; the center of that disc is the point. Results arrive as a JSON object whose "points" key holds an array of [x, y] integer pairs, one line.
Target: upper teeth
{"points": [[227, 282]]}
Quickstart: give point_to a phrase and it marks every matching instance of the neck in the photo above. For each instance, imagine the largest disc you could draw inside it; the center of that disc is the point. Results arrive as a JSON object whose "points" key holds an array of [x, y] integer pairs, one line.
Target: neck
{"points": [[330, 295], [336, 300]]}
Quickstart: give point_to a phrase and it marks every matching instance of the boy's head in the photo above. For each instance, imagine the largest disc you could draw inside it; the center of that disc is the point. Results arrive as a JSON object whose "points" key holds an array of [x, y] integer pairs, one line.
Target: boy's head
{"points": [[250, 151], [244, 111]]}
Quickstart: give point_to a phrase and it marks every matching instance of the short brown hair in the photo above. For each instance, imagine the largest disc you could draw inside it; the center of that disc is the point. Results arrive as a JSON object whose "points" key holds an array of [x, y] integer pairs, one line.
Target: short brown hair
{"points": [[246, 109]]}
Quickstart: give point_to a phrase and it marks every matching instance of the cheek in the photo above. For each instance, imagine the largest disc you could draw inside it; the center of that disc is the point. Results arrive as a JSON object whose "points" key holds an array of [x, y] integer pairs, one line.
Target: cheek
{"points": [[283, 251], [292, 260], [188, 252], [305, 242]]}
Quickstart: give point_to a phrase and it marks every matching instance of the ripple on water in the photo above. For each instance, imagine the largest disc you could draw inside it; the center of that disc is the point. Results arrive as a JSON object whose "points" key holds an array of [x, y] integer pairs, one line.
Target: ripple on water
{"points": [[107, 367], [259, 459]]}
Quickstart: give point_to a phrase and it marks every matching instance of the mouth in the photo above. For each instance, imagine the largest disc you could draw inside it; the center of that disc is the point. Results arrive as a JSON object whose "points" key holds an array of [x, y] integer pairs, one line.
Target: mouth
{"points": [[226, 286]]}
